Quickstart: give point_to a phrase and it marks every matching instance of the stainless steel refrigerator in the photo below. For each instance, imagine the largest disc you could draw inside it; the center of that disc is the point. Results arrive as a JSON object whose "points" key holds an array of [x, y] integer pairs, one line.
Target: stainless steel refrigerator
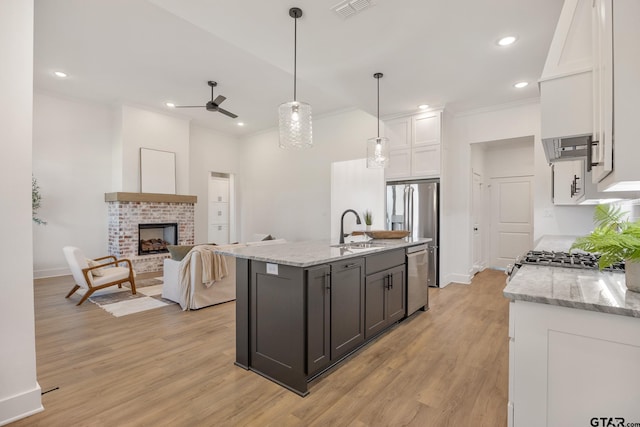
{"points": [[415, 206]]}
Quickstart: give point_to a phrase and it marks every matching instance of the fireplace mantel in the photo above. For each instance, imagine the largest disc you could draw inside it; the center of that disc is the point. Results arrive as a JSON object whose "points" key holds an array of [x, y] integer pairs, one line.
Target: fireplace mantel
{"points": [[149, 197]]}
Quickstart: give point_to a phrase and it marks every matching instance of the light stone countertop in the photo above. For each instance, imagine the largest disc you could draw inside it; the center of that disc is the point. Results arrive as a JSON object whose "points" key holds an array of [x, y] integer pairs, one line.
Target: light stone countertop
{"points": [[314, 252], [572, 287]]}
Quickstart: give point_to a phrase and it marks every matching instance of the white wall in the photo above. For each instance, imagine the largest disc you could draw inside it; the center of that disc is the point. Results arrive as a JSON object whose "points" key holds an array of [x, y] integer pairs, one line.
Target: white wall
{"points": [[288, 193], [501, 122], [354, 186], [72, 162], [210, 151], [19, 389], [147, 129]]}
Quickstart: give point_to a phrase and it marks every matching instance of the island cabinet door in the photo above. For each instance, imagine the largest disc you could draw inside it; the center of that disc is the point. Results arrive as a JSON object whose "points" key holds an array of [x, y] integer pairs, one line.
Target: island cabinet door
{"points": [[384, 300], [277, 324], [396, 295], [318, 318], [347, 306], [375, 315]]}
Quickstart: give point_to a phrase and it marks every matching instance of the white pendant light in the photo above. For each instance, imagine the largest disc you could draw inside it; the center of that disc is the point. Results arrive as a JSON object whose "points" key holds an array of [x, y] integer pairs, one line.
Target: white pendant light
{"points": [[295, 117], [378, 147]]}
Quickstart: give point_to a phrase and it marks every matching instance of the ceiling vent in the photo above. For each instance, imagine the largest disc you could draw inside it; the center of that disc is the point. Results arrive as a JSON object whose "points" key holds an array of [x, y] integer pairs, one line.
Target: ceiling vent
{"points": [[349, 8]]}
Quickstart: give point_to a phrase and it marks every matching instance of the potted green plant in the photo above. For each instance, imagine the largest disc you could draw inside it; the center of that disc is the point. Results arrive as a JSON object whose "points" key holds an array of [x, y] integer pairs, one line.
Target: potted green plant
{"points": [[368, 219], [615, 239]]}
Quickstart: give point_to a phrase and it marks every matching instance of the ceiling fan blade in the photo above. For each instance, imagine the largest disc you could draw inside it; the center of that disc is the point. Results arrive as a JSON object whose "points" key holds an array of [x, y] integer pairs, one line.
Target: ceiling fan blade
{"points": [[227, 113], [189, 106], [219, 99]]}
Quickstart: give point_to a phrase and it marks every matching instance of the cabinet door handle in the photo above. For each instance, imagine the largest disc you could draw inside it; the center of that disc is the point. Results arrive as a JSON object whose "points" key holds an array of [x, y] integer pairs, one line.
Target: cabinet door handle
{"points": [[350, 265], [390, 281], [590, 162], [327, 282]]}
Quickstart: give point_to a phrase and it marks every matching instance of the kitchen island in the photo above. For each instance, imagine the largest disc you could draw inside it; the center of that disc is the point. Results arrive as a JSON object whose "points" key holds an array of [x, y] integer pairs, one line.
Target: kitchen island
{"points": [[302, 307], [574, 352]]}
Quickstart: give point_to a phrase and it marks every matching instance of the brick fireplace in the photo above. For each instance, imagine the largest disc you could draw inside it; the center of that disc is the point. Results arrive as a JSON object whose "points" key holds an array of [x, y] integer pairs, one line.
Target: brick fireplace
{"points": [[127, 210]]}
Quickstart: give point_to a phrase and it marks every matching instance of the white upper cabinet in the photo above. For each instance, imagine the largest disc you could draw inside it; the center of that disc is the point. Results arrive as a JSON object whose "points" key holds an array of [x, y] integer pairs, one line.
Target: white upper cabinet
{"points": [[426, 129], [568, 182], [414, 146], [566, 81], [591, 85], [619, 66], [399, 132]]}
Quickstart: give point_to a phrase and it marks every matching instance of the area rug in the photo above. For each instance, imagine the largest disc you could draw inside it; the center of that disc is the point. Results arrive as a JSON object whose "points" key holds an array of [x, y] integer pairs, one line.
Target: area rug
{"points": [[121, 302]]}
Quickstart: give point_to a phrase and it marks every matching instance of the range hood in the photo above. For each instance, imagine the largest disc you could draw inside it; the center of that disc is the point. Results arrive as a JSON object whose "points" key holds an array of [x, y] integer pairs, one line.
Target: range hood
{"points": [[566, 148]]}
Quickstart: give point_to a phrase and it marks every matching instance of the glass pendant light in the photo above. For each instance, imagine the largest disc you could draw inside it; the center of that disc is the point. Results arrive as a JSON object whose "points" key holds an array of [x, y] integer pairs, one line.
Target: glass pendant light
{"points": [[378, 147], [295, 116]]}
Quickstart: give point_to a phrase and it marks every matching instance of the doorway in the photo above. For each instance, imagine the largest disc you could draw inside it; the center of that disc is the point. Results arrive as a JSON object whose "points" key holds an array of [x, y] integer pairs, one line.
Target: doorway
{"points": [[501, 217], [477, 222]]}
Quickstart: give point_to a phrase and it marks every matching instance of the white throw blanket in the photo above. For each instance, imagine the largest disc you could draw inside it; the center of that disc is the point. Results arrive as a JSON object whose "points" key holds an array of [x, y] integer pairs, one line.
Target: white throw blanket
{"points": [[214, 268]]}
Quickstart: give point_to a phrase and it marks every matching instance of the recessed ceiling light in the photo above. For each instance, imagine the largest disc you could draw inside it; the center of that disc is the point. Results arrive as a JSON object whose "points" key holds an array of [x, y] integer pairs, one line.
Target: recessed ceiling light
{"points": [[240, 124], [423, 106], [60, 74], [170, 104], [506, 41], [520, 85]]}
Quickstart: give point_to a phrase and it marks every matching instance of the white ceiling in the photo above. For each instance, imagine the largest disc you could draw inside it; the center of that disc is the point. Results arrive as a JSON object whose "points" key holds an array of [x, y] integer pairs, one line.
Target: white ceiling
{"points": [[148, 52]]}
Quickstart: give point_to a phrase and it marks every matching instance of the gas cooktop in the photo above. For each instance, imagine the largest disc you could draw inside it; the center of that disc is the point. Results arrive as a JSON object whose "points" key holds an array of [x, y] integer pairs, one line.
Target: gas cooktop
{"points": [[566, 259]]}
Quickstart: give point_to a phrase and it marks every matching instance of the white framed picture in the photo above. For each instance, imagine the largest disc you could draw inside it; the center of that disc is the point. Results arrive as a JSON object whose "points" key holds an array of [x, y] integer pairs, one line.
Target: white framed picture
{"points": [[157, 171]]}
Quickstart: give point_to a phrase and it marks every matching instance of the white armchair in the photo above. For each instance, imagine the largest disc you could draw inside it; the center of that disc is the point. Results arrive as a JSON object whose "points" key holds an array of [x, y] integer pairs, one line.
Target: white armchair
{"points": [[95, 277]]}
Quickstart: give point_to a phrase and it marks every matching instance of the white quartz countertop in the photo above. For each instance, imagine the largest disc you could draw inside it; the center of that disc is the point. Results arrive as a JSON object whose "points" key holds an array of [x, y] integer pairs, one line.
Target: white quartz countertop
{"points": [[572, 287], [315, 252], [575, 288]]}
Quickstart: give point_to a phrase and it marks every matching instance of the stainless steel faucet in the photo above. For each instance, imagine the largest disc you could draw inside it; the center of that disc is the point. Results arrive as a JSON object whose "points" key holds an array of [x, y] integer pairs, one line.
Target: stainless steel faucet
{"points": [[342, 223]]}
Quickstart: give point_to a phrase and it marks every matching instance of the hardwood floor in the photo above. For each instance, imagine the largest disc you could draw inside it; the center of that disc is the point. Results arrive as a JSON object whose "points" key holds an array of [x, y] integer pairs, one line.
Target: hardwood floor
{"points": [[447, 366]]}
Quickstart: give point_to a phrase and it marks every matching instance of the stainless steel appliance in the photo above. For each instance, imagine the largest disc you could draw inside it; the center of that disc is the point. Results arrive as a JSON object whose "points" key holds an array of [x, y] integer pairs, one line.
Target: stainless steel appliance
{"points": [[414, 206], [561, 259], [417, 269]]}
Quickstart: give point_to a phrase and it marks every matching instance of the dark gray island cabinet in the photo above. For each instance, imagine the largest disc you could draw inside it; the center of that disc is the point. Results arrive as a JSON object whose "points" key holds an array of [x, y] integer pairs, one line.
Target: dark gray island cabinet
{"points": [[294, 322]]}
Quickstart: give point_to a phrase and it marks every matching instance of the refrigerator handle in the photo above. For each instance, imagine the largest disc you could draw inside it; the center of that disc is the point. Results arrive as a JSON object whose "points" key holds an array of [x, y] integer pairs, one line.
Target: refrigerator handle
{"points": [[410, 210], [406, 197]]}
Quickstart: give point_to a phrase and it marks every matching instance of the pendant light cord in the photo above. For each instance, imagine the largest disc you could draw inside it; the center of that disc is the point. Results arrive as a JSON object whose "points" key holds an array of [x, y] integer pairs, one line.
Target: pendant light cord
{"points": [[295, 51], [378, 79]]}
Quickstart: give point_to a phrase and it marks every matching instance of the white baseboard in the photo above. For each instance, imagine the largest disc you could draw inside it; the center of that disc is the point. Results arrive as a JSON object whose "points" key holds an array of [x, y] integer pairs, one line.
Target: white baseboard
{"points": [[51, 272], [14, 408], [465, 279]]}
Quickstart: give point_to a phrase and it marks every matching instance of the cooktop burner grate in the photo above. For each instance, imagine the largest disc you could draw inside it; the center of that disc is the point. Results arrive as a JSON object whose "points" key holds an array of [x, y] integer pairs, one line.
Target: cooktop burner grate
{"points": [[566, 259]]}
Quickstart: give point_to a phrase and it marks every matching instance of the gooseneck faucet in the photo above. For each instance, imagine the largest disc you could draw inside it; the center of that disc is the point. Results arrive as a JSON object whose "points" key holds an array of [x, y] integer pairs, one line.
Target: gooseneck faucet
{"points": [[342, 222]]}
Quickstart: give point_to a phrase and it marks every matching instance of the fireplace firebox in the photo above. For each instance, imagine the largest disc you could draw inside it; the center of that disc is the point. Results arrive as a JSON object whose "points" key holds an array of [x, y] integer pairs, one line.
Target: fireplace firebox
{"points": [[154, 238]]}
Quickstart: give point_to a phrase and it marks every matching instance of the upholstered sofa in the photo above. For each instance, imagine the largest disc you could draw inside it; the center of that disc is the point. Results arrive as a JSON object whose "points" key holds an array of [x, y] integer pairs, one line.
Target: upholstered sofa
{"points": [[200, 295]]}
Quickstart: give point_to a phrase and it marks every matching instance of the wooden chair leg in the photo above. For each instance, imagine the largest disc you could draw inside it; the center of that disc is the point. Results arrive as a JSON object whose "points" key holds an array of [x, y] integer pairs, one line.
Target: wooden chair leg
{"points": [[133, 284], [75, 288], [120, 285], [85, 296]]}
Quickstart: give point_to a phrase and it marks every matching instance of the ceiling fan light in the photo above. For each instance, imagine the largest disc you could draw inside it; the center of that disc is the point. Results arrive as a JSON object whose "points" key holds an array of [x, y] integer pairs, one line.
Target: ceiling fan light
{"points": [[295, 126], [377, 152]]}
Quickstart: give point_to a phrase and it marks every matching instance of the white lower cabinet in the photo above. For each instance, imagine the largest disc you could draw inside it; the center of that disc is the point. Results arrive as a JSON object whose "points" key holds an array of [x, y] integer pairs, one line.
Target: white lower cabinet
{"points": [[568, 366]]}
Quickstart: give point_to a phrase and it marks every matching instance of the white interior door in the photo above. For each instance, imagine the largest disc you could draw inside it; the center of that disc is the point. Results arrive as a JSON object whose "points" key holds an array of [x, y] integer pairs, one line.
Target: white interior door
{"points": [[511, 219], [477, 223]]}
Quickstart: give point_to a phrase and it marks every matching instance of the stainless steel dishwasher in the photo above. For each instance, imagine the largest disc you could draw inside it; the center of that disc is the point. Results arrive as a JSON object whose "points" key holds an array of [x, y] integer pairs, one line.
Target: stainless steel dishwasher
{"points": [[417, 279]]}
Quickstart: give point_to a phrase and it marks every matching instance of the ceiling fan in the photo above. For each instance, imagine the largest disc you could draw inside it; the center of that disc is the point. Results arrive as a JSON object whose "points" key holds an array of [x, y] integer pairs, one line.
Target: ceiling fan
{"points": [[214, 104]]}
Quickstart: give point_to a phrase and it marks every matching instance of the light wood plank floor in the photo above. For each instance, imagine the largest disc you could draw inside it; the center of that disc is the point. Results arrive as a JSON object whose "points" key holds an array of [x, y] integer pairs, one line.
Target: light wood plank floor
{"points": [[447, 366]]}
